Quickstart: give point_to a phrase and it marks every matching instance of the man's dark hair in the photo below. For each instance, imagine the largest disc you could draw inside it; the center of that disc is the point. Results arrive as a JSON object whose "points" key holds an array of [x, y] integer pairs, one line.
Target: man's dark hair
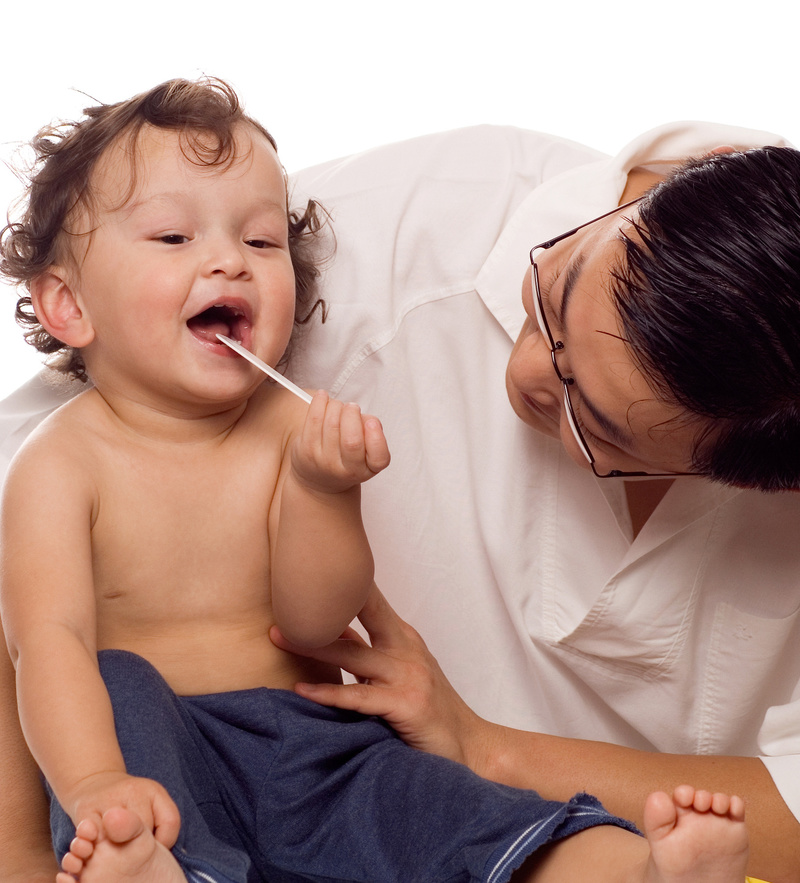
{"points": [[709, 295]]}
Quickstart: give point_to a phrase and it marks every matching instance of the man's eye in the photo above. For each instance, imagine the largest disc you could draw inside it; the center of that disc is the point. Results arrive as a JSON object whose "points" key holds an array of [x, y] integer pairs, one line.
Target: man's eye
{"points": [[588, 435], [547, 302]]}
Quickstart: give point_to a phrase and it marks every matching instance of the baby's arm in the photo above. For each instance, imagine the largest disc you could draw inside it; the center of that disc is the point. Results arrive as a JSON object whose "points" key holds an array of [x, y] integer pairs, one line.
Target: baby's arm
{"points": [[48, 609], [322, 566]]}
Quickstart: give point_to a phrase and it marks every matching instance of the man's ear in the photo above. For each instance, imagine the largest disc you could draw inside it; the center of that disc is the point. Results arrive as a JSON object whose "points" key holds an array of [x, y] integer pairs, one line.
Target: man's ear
{"points": [[59, 310], [723, 148]]}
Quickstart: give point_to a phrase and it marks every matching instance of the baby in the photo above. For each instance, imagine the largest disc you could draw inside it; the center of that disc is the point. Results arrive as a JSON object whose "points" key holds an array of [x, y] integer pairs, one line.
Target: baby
{"points": [[157, 526]]}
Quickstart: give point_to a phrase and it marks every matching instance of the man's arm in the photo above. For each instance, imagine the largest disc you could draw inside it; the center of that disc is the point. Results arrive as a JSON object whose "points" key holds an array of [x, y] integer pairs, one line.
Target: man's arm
{"points": [[26, 854], [405, 685], [623, 778]]}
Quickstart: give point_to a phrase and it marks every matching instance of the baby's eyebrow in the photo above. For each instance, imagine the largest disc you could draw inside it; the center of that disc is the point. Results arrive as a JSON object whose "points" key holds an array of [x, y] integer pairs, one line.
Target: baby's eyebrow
{"points": [[173, 197], [273, 206], [154, 199]]}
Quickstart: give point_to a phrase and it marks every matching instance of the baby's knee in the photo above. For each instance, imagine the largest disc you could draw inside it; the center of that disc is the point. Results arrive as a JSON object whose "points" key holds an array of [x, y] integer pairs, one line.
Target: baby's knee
{"points": [[123, 667], [133, 684]]}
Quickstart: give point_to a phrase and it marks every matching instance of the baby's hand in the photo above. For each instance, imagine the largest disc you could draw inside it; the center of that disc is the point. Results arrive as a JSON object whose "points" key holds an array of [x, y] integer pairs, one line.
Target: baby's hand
{"points": [[338, 447], [148, 799]]}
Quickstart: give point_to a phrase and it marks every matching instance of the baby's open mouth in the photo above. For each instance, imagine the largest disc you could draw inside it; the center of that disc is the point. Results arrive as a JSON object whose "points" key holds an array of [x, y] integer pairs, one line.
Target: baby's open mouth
{"points": [[221, 319]]}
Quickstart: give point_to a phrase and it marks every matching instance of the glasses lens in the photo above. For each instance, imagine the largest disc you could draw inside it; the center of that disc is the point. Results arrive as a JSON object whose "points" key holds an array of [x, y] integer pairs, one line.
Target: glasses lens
{"points": [[545, 329], [539, 308], [573, 425]]}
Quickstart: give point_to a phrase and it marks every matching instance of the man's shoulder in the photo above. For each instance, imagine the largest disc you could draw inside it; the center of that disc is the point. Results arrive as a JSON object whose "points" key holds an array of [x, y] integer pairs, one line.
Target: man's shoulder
{"points": [[475, 153]]}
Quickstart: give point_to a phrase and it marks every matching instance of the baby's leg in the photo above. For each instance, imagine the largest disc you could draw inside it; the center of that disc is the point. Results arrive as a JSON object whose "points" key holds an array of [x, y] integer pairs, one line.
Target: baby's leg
{"points": [[692, 837], [124, 850]]}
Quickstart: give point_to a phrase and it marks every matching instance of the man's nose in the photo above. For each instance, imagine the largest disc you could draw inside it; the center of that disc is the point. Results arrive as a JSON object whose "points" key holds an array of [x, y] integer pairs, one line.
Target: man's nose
{"points": [[532, 367]]}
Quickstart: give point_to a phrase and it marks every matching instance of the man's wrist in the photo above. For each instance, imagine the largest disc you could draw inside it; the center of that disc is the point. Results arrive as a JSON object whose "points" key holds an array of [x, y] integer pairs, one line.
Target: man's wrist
{"points": [[494, 753]]}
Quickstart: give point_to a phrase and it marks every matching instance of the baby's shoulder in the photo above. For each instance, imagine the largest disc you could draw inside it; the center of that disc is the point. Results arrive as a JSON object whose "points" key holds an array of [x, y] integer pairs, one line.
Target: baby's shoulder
{"points": [[77, 417], [65, 436], [57, 460]]}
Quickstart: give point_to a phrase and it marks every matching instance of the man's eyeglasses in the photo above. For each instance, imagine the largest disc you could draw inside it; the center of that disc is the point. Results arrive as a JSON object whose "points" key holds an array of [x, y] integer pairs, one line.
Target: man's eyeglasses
{"points": [[557, 346]]}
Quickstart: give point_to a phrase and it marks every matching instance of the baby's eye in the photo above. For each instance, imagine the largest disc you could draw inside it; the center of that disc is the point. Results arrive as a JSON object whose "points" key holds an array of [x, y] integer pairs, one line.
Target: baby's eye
{"points": [[258, 243], [173, 239]]}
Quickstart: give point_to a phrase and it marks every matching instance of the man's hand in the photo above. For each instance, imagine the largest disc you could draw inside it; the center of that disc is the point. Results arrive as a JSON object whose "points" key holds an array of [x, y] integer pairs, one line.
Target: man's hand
{"points": [[399, 680]]}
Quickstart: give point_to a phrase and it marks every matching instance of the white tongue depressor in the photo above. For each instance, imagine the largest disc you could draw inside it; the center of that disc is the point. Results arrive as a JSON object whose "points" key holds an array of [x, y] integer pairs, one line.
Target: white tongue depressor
{"points": [[275, 375]]}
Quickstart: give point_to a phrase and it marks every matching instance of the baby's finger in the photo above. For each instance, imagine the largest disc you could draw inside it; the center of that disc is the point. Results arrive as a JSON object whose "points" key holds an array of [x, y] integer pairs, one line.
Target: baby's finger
{"points": [[377, 448], [311, 435], [351, 438], [331, 431], [319, 402]]}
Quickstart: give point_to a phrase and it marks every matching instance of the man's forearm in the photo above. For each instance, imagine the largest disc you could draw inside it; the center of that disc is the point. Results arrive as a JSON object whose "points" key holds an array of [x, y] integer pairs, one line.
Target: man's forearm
{"points": [[623, 777], [25, 851], [401, 681]]}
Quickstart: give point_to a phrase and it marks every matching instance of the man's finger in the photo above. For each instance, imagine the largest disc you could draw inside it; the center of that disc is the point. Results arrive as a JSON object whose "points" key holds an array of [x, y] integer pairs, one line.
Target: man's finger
{"points": [[360, 698], [351, 654], [383, 625]]}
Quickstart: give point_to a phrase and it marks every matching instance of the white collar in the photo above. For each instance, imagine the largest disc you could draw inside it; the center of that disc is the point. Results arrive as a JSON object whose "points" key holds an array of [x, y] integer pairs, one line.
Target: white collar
{"points": [[584, 192]]}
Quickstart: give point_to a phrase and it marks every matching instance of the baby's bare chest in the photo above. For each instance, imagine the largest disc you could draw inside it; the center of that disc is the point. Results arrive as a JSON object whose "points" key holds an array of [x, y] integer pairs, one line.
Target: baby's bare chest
{"points": [[184, 533]]}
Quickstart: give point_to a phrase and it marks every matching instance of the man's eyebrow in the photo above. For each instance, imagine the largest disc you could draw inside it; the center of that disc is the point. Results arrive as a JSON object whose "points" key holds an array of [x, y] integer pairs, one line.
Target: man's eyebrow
{"points": [[615, 433], [571, 275]]}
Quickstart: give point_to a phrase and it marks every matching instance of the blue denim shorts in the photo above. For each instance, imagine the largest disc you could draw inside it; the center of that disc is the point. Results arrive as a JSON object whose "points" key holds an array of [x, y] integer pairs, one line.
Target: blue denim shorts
{"points": [[272, 787]]}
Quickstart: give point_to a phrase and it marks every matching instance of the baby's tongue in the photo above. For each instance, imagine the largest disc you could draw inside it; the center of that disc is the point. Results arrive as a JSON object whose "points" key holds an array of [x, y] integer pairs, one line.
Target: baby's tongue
{"points": [[208, 324]]}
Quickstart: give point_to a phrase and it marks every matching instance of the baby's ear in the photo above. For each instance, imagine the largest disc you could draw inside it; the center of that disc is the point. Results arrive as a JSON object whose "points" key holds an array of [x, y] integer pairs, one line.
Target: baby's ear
{"points": [[58, 309]]}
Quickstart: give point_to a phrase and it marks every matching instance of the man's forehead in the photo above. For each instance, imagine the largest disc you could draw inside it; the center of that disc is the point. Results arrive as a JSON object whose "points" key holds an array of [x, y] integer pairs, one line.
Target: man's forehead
{"points": [[608, 376]]}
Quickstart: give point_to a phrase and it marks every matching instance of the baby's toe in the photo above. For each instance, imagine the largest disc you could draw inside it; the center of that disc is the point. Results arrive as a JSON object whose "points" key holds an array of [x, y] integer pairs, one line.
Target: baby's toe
{"points": [[72, 864]]}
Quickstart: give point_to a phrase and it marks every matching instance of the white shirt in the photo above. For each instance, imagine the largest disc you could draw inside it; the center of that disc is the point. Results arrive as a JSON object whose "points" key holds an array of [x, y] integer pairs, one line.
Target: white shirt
{"points": [[517, 566]]}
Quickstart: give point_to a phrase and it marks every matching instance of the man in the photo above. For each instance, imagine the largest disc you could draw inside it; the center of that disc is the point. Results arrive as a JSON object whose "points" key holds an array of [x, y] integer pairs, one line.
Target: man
{"points": [[659, 620]]}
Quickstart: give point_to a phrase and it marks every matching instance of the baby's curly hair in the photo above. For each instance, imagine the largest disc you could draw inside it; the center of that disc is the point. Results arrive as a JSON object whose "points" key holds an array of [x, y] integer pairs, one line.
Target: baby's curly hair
{"points": [[205, 112]]}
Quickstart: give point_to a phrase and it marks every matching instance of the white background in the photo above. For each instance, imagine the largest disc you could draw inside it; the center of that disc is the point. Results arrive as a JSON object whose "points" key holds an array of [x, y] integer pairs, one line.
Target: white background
{"points": [[330, 77]]}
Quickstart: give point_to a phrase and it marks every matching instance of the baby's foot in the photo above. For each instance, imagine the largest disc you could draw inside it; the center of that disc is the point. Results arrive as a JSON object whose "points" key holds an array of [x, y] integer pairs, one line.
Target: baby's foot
{"points": [[695, 837], [123, 850]]}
